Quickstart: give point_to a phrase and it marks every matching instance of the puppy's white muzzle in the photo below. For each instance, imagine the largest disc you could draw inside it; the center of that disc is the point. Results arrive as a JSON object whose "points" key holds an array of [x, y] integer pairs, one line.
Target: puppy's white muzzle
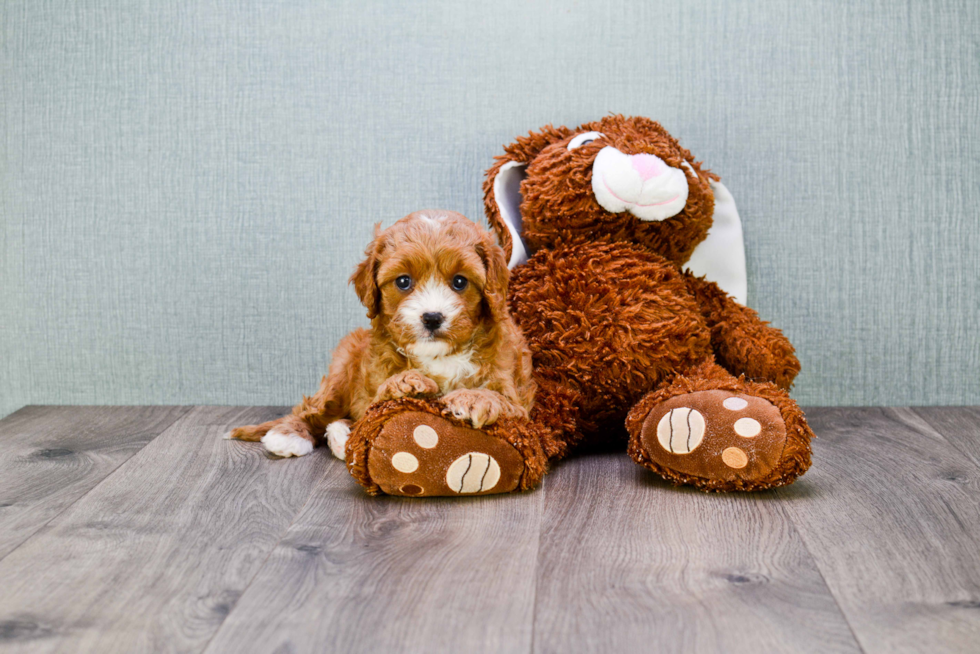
{"points": [[641, 184], [431, 298]]}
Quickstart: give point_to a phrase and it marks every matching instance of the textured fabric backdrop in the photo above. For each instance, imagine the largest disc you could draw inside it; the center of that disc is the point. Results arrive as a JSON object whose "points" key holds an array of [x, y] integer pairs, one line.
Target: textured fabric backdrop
{"points": [[187, 186]]}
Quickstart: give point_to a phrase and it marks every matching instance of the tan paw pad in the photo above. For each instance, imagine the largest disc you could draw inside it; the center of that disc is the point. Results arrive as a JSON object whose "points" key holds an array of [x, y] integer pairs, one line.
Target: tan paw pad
{"points": [[734, 458], [425, 436], [404, 462], [747, 427]]}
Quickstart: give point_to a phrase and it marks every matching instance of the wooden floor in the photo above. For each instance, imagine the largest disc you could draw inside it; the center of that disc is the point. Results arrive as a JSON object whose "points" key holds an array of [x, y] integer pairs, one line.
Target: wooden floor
{"points": [[139, 529]]}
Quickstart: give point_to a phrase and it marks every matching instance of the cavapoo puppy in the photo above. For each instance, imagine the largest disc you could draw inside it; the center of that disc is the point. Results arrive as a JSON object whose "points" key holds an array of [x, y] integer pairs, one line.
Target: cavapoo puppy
{"points": [[435, 287]]}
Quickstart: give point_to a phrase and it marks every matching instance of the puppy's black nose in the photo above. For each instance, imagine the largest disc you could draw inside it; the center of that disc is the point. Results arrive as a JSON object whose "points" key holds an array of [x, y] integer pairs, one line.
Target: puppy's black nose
{"points": [[432, 321]]}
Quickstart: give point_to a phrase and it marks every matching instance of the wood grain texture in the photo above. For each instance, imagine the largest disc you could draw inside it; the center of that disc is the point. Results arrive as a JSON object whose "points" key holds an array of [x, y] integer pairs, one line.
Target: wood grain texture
{"points": [[51, 456], [362, 574], [958, 425], [891, 514], [155, 556], [199, 544], [629, 563]]}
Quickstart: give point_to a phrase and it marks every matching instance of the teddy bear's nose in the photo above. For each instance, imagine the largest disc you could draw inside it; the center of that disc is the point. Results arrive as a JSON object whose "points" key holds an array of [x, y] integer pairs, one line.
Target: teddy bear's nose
{"points": [[648, 165]]}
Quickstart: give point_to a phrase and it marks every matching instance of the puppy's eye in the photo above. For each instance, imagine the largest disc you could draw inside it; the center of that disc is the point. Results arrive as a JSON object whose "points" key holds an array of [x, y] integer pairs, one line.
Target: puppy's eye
{"points": [[459, 283], [584, 139], [403, 282]]}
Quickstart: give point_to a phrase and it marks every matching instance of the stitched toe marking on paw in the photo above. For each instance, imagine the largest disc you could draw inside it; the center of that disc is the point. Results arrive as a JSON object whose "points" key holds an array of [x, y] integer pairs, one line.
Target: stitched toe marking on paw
{"points": [[412, 489], [425, 436], [404, 462], [473, 473], [735, 404], [734, 458], [747, 427], [681, 430]]}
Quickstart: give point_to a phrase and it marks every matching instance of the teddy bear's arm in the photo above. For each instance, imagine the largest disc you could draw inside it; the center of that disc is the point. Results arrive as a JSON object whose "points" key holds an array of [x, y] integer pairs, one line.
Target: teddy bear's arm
{"points": [[744, 343]]}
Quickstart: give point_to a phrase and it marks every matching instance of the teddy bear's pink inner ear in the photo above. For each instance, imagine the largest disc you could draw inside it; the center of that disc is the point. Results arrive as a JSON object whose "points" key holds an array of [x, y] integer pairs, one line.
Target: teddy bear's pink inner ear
{"points": [[507, 195], [720, 257]]}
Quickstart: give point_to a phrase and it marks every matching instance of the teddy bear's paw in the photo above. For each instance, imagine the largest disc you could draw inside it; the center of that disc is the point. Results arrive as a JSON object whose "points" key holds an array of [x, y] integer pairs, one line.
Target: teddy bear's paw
{"points": [[423, 455], [714, 439]]}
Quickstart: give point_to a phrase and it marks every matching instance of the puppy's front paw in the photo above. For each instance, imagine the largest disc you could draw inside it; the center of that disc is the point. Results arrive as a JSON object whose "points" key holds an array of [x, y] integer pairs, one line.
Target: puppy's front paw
{"points": [[338, 432], [407, 384], [478, 407], [284, 443]]}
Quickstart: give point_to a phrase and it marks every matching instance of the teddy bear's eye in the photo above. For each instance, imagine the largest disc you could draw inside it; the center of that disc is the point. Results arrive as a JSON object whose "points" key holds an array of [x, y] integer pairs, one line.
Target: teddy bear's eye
{"points": [[583, 139]]}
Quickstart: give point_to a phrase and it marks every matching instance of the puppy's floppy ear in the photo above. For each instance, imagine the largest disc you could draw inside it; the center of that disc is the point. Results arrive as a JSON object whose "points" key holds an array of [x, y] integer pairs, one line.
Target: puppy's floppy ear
{"points": [[495, 288], [502, 188], [365, 279]]}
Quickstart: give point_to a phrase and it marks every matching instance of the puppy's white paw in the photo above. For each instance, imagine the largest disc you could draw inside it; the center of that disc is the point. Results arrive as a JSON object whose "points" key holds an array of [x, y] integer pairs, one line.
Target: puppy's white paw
{"points": [[338, 432], [285, 443]]}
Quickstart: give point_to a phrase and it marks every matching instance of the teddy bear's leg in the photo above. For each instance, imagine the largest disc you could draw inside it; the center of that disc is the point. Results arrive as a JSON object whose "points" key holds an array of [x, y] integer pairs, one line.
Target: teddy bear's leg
{"points": [[713, 431], [416, 448], [743, 343], [557, 418]]}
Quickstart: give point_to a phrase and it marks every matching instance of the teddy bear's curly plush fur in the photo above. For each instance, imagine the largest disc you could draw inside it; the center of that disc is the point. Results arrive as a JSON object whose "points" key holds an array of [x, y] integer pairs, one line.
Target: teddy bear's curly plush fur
{"points": [[620, 335]]}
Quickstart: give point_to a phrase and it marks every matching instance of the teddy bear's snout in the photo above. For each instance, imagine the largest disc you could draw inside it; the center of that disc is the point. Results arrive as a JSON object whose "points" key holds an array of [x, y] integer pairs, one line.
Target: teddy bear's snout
{"points": [[648, 165], [642, 184]]}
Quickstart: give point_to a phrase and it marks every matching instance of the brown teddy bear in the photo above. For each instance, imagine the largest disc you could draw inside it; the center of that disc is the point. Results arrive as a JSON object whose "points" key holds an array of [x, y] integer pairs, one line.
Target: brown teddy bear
{"points": [[609, 213]]}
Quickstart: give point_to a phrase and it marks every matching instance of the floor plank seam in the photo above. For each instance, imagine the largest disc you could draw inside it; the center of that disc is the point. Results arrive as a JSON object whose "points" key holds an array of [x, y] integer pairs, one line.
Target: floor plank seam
{"points": [[823, 578], [966, 454], [186, 409]]}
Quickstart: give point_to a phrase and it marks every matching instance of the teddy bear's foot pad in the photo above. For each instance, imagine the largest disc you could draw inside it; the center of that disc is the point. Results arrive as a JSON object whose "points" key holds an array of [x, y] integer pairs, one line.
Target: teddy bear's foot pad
{"points": [[714, 435], [423, 455]]}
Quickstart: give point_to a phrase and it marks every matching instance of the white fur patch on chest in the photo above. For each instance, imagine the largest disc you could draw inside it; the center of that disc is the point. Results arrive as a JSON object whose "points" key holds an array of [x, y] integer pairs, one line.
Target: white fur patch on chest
{"points": [[447, 370]]}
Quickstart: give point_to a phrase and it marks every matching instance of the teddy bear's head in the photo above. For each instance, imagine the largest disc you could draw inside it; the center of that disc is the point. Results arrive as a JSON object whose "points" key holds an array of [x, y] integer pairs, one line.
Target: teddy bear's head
{"points": [[619, 178]]}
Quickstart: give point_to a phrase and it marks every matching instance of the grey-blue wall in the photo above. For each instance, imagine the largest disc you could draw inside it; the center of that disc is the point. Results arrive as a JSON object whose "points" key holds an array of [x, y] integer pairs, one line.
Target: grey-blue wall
{"points": [[187, 186]]}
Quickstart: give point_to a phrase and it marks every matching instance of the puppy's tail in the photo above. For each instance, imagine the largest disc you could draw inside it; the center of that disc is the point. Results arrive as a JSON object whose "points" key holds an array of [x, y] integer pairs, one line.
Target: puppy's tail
{"points": [[251, 432]]}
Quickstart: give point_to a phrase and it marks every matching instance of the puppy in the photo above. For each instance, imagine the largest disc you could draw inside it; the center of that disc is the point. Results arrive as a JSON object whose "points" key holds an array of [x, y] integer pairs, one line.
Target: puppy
{"points": [[435, 287]]}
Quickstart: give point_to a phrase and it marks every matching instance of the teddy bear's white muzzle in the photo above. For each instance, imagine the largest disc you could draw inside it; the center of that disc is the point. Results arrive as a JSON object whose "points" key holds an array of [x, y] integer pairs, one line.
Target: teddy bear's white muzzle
{"points": [[642, 184]]}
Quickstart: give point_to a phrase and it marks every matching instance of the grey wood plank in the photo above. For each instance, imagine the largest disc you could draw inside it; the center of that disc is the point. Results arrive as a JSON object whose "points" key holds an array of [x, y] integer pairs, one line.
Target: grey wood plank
{"points": [[960, 425], [385, 574], [891, 514], [629, 563], [154, 557], [50, 456]]}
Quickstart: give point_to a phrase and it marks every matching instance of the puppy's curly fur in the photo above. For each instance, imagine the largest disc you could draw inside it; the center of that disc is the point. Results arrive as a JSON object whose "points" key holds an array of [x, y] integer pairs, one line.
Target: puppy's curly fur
{"points": [[435, 287]]}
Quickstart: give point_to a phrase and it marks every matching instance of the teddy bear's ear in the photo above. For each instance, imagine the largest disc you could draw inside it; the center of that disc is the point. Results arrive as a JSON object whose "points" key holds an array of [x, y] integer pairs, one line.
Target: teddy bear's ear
{"points": [[502, 189], [507, 201], [720, 257]]}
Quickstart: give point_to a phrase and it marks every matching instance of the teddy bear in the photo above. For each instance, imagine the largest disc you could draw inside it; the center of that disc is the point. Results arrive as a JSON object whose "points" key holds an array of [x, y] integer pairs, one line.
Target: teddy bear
{"points": [[628, 345]]}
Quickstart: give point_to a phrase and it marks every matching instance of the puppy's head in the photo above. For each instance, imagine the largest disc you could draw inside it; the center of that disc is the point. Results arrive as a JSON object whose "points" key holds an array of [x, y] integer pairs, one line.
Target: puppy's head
{"points": [[432, 281]]}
